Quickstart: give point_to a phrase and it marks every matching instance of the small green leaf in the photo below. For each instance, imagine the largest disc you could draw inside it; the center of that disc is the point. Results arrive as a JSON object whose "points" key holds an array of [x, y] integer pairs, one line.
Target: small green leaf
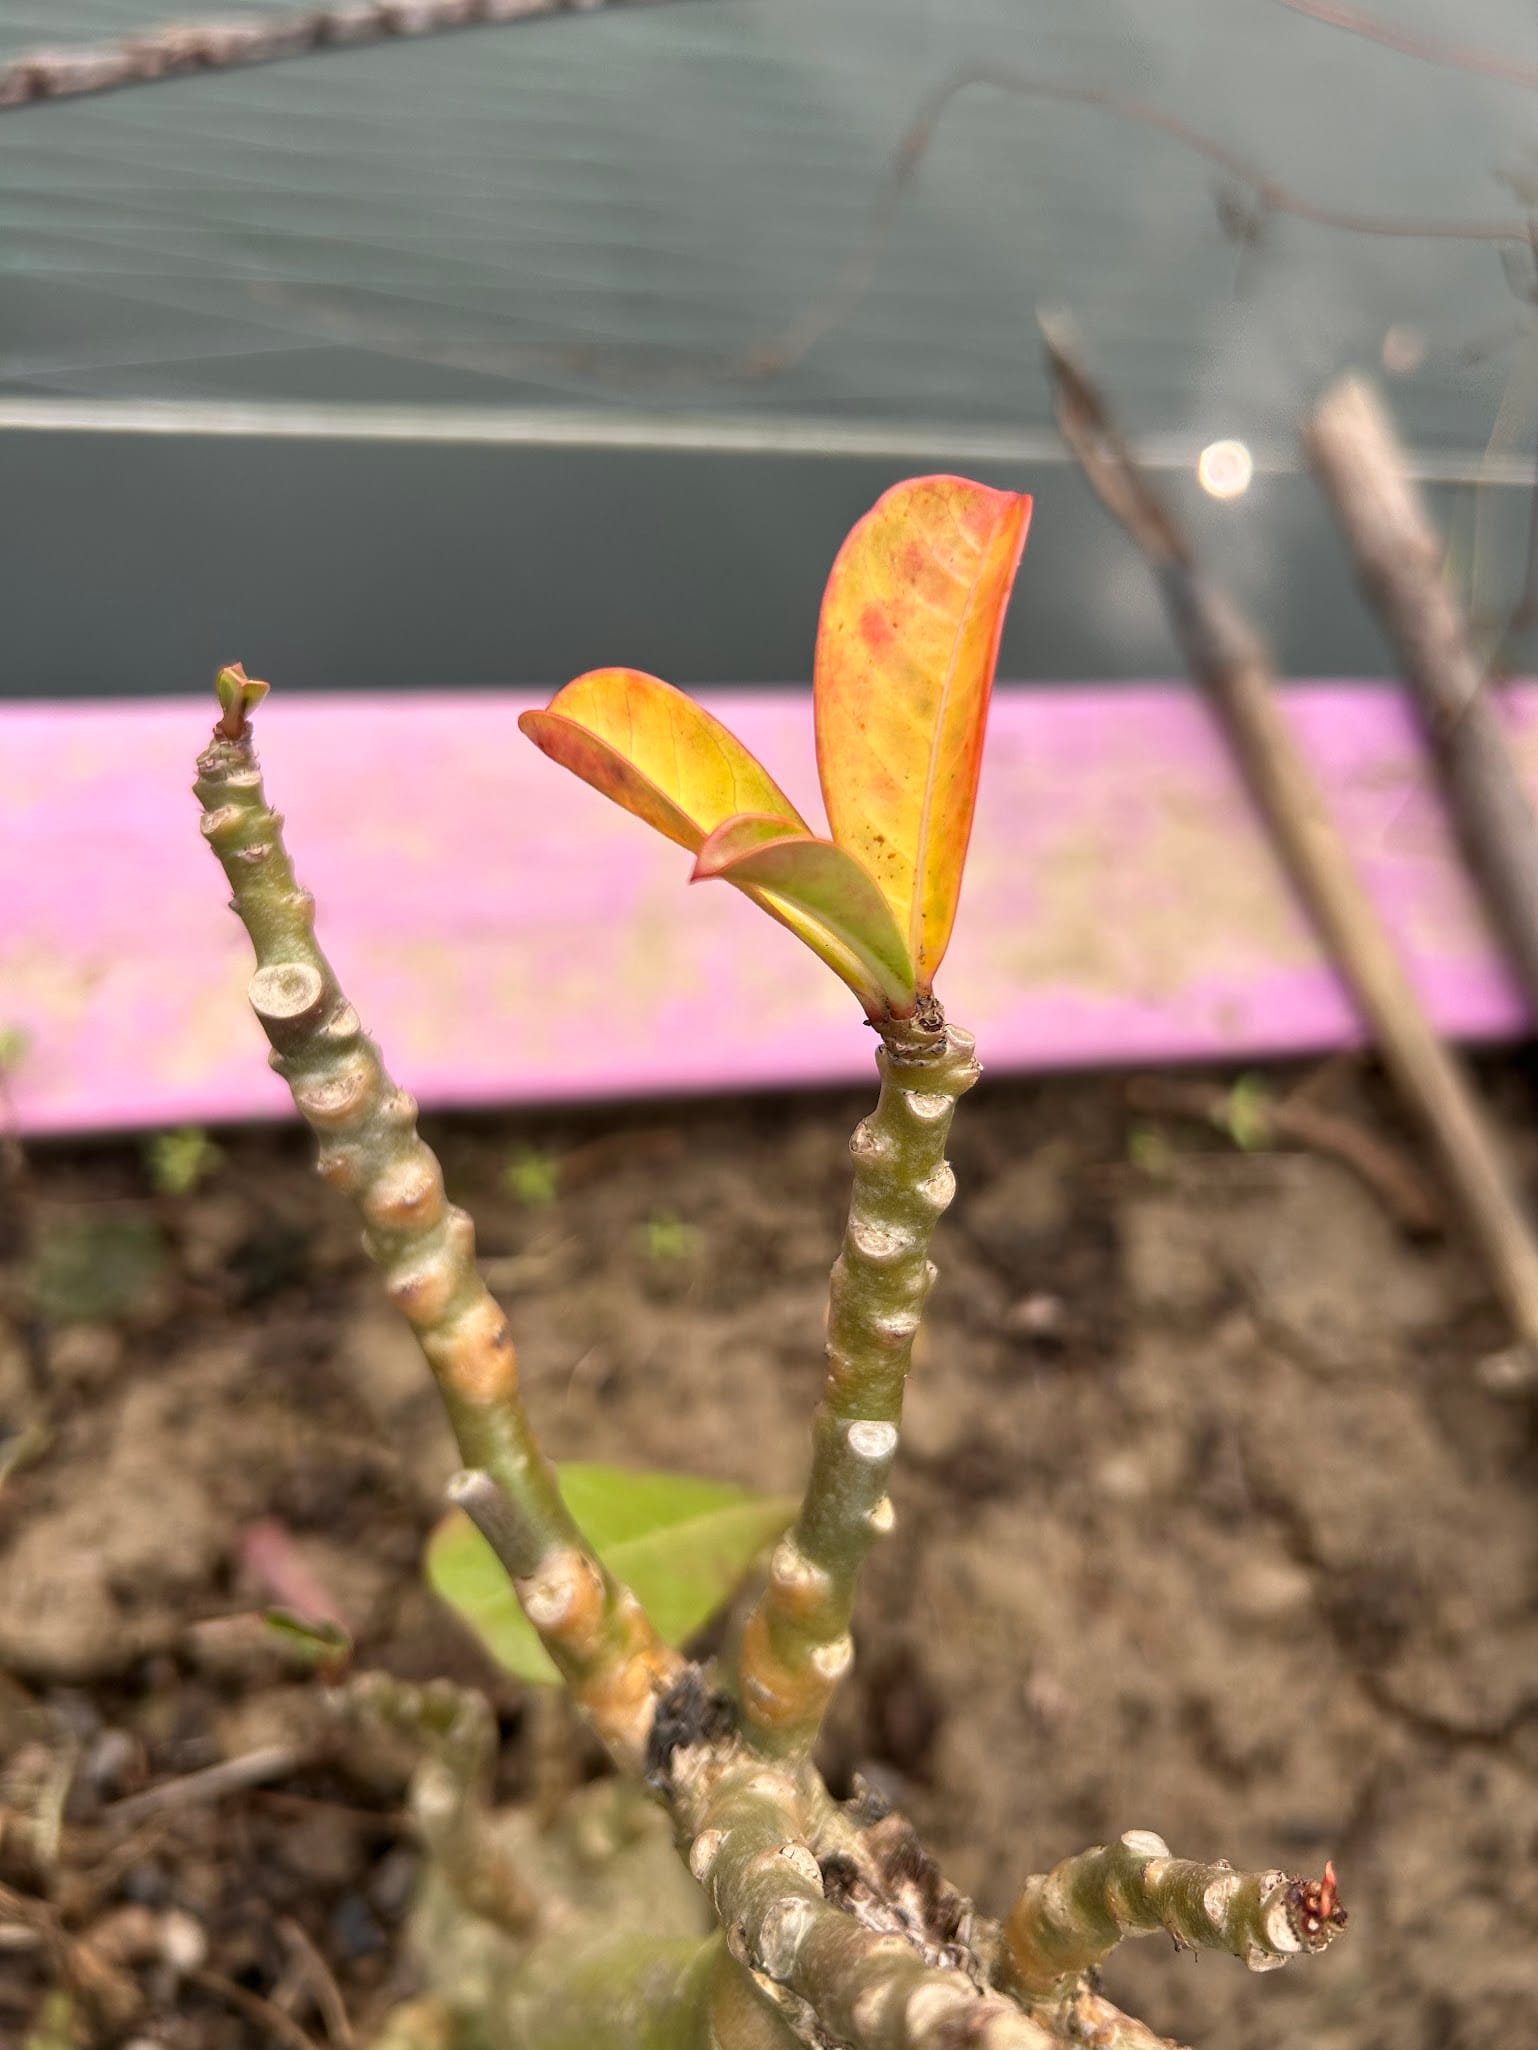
{"points": [[176, 1162], [53, 2025], [1247, 1114], [1150, 1152], [842, 914], [22, 1448], [684, 1546], [322, 1645], [237, 694], [533, 1177], [669, 1239]]}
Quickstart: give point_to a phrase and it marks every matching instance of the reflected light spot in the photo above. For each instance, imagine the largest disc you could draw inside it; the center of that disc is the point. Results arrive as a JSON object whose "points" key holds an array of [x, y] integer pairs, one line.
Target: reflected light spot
{"points": [[1224, 469], [1403, 351]]}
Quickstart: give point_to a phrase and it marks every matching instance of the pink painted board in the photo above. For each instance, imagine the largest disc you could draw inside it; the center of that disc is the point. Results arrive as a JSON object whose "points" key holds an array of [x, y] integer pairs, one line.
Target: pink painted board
{"points": [[511, 937]]}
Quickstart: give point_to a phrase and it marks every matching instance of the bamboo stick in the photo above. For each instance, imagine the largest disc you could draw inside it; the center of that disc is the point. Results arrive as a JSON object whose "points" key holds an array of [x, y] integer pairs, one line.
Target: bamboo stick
{"points": [[1229, 662], [1355, 456]]}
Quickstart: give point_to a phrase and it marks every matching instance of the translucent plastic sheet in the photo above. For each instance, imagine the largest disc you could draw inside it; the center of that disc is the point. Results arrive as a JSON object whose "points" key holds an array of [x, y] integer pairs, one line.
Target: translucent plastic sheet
{"points": [[679, 211]]}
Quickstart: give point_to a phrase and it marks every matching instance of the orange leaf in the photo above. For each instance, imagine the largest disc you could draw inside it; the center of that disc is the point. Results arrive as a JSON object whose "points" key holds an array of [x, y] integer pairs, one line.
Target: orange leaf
{"points": [[824, 896], [906, 648], [657, 753]]}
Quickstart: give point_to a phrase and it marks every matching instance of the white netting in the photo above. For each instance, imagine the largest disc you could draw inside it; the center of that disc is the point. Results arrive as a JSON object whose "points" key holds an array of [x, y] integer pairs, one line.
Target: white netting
{"points": [[636, 209]]}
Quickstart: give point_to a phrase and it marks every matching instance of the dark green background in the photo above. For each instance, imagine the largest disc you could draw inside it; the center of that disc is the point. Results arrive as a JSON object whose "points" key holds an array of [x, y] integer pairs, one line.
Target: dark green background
{"points": [[590, 220]]}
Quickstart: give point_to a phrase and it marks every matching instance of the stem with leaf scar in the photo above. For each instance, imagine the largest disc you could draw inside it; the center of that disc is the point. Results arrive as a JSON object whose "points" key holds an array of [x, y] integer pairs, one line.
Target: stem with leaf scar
{"points": [[593, 1628], [796, 1646], [836, 1979], [1067, 1920]]}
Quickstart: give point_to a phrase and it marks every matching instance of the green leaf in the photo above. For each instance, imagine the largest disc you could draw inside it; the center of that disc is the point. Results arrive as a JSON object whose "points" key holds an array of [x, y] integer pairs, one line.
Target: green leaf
{"points": [[533, 1176], [310, 1642], [177, 1161], [1247, 1114], [684, 1546], [844, 917], [237, 694]]}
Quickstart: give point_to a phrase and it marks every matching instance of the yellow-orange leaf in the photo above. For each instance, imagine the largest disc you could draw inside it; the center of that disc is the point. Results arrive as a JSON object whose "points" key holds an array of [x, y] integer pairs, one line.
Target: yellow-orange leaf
{"points": [[906, 648], [826, 898], [657, 753]]}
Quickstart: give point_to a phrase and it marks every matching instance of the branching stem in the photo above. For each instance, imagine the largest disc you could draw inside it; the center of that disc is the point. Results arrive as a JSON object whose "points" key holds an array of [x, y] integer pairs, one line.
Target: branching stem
{"points": [[593, 1628], [869, 1991], [796, 1646]]}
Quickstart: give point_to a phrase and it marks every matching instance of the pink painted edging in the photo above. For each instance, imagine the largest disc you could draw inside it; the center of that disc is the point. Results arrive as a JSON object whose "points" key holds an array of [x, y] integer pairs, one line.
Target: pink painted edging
{"points": [[511, 937]]}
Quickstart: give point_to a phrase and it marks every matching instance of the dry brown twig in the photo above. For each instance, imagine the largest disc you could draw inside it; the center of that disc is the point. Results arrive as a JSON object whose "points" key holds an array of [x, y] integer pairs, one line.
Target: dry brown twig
{"points": [[1267, 195], [1431, 49], [279, 2027], [1254, 196], [174, 49], [1396, 1181], [211, 1783], [1360, 467], [1229, 662], [319, 1981], [110, 1994]]}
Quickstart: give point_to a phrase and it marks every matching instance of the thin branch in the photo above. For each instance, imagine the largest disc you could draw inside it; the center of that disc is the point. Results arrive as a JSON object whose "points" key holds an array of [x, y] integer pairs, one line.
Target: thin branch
{"points": [[1360, 467], [1267, 195], [176, 48], [1227, 659], [649, 369], [796, 1646], [594, 1629], [40, 76], [1068, 1920], [1271, 194], [1394, 1180], [1356, 21], [212, 1783], [280, 2028], [320, 1982]]}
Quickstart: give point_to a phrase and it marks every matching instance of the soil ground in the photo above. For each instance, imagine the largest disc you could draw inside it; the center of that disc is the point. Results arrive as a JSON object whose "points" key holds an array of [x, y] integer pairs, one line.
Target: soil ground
{"points": [[1208, 1522]]}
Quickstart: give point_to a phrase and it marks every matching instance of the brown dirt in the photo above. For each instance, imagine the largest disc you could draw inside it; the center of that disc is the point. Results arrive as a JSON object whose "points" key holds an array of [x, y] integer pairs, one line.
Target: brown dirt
{"points": [[1207, 1524]]}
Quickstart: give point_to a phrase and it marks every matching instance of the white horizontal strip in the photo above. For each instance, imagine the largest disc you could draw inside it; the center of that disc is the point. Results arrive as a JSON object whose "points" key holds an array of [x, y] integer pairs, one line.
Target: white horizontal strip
{"points": [[708, 433]]}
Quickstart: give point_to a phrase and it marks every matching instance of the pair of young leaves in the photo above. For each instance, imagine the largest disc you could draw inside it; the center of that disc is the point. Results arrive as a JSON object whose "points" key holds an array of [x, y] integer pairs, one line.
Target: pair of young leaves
{"points": [[907, 641]]}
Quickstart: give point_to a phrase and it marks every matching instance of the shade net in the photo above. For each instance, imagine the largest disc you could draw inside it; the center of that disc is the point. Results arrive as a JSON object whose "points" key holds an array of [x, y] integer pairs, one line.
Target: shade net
{"points": [[689, 211]]}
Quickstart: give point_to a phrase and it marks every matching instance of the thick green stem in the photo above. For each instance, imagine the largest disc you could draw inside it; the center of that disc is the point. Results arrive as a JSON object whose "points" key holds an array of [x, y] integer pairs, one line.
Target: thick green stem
{"points": [[1068, 1919], [592, 1627], [796, 1645], [838, 1980], [1083, 2016], [640, 1992]]}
